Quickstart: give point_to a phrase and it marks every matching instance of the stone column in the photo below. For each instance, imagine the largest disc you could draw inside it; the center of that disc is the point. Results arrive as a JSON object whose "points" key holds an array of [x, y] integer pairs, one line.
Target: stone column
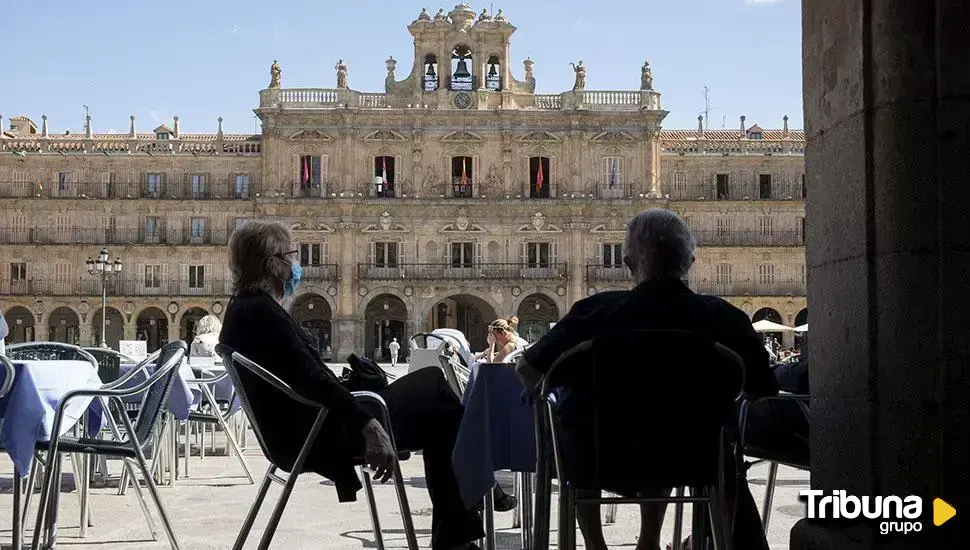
{"points": [[575, 290], [887, 108], [346, 324]]}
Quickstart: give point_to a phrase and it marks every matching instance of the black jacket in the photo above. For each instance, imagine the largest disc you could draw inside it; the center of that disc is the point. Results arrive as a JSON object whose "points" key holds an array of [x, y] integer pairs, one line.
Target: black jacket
{"points": [[259, 328], [664, 304]]}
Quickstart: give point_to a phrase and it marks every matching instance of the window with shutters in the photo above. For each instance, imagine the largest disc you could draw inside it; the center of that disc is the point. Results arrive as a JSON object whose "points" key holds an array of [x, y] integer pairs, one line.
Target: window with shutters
{"points": [[538, 255], [723, 186], [310, 255], [196, 276], [152, 229], [722, 274], [540, 177], [463, 254], [62, 227], [198, 186], [18, 271], [722, 227], [106, 184], [386, 254], [153, 185], [63, 181], [764, 186], [801, 273], [613, 172], [197, 229], [766, 226], [20, 183], [612, 254], [766, 274], [680, 183], [384, 176], [153, 276], [310, 171], [62, 272], [242, 186]]}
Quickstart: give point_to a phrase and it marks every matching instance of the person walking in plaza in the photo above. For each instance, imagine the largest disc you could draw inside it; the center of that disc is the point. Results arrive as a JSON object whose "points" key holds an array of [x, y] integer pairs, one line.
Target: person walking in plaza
{"points": [[394, 348], [424, 413]]}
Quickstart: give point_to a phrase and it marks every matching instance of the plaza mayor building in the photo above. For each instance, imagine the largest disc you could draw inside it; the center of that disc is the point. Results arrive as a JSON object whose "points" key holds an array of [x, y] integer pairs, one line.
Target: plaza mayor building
{"points": [[456, 196]]}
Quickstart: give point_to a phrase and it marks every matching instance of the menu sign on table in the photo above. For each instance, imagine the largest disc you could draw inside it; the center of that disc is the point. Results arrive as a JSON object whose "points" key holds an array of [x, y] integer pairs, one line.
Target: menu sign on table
{"points": [[136, 349]]}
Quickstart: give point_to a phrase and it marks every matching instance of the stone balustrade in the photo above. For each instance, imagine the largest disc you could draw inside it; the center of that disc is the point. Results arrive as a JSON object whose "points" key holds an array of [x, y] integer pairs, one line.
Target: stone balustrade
{"points": [[107, 144]]}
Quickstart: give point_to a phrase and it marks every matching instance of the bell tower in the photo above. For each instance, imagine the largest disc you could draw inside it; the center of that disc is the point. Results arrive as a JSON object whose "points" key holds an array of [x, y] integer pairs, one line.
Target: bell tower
{"points": [[460, 53]]}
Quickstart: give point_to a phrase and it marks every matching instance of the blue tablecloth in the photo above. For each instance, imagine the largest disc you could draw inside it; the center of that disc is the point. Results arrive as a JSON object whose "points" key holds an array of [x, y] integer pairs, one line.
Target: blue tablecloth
{"points": [[28, 410], [497, 431], [180, 399]]}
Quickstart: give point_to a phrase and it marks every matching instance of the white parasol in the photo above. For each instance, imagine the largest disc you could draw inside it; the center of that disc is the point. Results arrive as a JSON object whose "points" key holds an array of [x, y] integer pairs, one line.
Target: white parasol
{"points": [[802, 328], [765, 325]]}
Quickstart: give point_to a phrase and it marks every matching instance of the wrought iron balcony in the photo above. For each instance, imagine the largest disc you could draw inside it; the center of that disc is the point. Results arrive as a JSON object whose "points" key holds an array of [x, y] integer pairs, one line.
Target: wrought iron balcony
{"points": [[114, 190], [131, 286], [750, 288], [118, 235], [749, 238], [323, 272], [466, 272], [598, 273]]}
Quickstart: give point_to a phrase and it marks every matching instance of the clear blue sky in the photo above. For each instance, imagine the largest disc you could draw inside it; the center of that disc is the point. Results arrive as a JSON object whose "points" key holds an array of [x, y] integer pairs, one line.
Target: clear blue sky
{"points": [[204, 58]]}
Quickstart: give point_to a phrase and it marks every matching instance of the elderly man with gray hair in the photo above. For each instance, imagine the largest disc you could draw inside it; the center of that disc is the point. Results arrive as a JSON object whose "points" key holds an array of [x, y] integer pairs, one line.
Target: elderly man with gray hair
{"points": [[659, 252]]}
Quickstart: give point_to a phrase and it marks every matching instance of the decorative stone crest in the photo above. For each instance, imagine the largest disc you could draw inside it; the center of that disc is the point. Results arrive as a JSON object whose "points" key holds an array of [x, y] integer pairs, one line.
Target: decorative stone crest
{"points": [[560, 291], [516, 291], [332, 291], [385, 221], [363, 291], [408, 291], [427, 292], [538, 221], [462, 221], [217, 308], [432, 182]]}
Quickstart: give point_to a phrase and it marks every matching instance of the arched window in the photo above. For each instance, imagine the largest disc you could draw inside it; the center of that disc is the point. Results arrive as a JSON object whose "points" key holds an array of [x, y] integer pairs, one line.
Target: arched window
{"points": [[461, 61], [430, 72], [384, 176], [462, 176], [539, 177], [493, 78]]}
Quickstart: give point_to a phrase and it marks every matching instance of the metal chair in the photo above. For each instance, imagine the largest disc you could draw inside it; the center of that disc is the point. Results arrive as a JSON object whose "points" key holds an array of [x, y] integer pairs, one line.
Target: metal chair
{"points": [[109, 362], [156, 390], [235, 363], [9, 373], [217, 417], [619, 389], [773, 459]]}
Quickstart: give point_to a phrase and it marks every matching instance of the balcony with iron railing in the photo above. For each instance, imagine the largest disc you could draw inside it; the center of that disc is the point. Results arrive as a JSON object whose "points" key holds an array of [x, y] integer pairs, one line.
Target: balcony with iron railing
{"points": [[464, 272], [100, 190], [322, 272], [746, 237], [709, 191], [620, 276], [126, 286], [118, 235]]}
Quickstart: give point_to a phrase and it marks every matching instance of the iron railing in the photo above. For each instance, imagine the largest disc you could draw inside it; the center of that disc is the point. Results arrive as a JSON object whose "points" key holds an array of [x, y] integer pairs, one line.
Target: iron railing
{"points": [[130, 286], [129, 190], [323, 272], [162, 234], [464, 272], [749, 238]]}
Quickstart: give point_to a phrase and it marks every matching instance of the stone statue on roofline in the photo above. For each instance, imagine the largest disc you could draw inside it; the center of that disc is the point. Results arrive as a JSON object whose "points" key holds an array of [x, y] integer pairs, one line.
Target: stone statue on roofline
{"points": [[441, 15], [275, 74], [500, 16], [423, 16], [580, 75], [341, 68], [646, 77], [484, 16]]}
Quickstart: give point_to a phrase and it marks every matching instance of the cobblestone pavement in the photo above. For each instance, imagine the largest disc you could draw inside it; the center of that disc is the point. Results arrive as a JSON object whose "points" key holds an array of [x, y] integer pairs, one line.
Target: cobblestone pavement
{"points": [[208, 507]]}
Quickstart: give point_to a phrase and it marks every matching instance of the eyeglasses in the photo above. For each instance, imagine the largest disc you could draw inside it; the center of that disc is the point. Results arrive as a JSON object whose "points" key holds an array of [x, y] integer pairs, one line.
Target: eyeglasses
{"points": [[290, 252]]}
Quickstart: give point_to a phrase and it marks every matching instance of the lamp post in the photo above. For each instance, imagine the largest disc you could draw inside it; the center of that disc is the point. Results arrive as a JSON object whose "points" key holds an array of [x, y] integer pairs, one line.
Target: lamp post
{"points": [[104, 269]]}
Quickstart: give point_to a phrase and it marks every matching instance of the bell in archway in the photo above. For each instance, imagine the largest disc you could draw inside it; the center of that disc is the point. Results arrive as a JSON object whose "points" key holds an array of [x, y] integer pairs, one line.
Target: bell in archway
{"points": [[462, 70], [491, 70], [430, 70]]}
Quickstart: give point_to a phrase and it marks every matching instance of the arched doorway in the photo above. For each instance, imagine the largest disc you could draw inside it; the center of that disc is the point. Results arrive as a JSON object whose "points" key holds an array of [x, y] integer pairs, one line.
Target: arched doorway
{"points": [[188, 322], [535, 314], [312, 312], [801, 318], [469, 314], [385, 318], [63, 326], [773, 316], [152, 327], [114, 327], [21, 323]]}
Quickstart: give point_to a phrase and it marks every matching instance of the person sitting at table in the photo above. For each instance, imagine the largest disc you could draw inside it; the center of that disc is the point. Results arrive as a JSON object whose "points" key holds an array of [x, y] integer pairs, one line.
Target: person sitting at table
{"points": [[501, 342], [206, 337], [659, 251], [424, 413], [514, 325], [780, 427]]}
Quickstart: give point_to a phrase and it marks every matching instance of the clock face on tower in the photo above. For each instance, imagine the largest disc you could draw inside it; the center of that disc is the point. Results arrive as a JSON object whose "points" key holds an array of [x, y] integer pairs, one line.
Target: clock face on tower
{"points": [[462, 100]]}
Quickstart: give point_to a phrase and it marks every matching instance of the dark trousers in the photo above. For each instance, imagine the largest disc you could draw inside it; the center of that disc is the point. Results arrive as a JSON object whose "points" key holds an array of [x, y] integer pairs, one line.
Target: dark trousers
{"points": [[425, 415]]}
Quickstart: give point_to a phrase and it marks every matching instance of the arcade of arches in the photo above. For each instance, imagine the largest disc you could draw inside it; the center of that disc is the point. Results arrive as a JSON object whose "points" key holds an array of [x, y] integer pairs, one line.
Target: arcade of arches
{"points": [[313, 313], [469, 314]]}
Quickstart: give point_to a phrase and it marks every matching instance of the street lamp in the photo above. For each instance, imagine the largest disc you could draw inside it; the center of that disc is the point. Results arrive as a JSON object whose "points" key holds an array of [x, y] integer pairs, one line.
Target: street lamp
{"points": [[104, 269]]}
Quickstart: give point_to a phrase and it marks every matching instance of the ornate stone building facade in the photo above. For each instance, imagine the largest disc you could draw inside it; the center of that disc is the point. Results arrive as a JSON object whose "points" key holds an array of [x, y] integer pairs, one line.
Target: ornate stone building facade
{"points": [[457, 196]]}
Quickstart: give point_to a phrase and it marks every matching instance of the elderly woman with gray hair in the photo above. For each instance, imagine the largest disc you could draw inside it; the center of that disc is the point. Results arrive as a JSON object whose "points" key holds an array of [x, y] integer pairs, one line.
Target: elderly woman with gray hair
{"points": [[659, 251], [424, 413], [206, 337]]}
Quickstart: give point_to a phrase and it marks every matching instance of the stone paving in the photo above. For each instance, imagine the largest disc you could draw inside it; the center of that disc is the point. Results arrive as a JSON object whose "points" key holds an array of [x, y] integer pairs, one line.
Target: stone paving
{"points": [[207, 510]]}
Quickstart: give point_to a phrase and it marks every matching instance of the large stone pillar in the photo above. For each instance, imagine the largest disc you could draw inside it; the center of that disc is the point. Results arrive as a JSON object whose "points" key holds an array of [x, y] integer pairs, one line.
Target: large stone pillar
{"points": [[887, 108]]}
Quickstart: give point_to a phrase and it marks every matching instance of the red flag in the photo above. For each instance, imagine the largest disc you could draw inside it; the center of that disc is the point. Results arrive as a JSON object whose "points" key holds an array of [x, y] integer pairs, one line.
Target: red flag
{"points": [[384, 171], [306, 170], [464, 175], [539, 178]]}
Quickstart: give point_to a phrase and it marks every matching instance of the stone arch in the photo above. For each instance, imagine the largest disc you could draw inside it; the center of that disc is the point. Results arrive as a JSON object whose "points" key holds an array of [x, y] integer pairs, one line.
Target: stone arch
{"points": [[187, 321], [801, 318], [114, 327], [314, 313], [64, 325], [386, 317], [151, 325], [22, 323], [535, 312], [375, 292], [466, 311], [770, 314]]}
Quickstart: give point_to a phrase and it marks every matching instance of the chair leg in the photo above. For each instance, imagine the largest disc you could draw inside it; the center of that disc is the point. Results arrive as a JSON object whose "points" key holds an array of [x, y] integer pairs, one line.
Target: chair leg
{"points": [[769, 493], [254, 509], [274, 520], [402, 500], [678, 521], [17, 527], [187, 448], [136, 485], [36, 469], [47, 504], [153, 491], [517, 493], [567, 518], [699, 519], [372, 506], [610, 518]]}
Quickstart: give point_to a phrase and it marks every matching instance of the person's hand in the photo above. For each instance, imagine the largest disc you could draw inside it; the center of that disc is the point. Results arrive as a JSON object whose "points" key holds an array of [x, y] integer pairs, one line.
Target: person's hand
{"points": [[378, 452], [528, 376]]}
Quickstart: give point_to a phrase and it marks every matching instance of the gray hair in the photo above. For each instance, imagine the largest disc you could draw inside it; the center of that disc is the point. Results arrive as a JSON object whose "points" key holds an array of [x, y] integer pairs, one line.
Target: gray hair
{"points": [[210, 324], [257, 257], [658, 244]]}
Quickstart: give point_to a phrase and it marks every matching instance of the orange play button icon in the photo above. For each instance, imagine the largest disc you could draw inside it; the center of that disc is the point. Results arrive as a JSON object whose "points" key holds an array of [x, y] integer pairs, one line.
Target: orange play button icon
{"points": [[942, 512]]}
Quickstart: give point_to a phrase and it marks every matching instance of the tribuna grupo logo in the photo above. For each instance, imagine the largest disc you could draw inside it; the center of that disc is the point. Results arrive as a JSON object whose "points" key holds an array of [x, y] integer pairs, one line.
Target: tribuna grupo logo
{"points": [[895, 514]]}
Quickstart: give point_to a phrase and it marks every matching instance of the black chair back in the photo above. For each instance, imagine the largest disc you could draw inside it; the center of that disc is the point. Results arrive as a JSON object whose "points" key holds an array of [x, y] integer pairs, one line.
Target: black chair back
{"points": [[48, 351], [109, 363], [156, 396], [644, 409]]}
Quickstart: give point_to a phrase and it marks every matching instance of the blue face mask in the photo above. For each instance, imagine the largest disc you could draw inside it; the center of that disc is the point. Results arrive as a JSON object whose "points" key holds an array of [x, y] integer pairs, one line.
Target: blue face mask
{"points": [[296, 273]]}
